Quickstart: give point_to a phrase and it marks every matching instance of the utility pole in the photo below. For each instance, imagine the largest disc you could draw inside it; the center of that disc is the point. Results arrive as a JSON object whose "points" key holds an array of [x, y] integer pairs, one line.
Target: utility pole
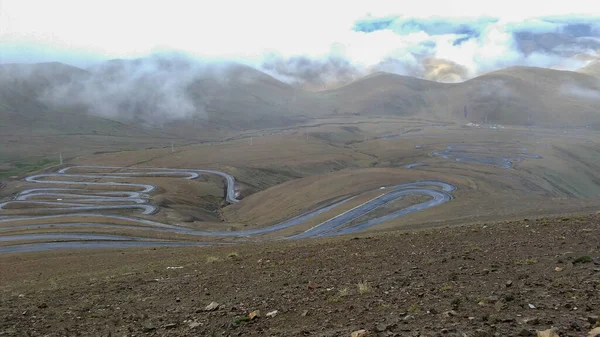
{"points": [[60, 158]]}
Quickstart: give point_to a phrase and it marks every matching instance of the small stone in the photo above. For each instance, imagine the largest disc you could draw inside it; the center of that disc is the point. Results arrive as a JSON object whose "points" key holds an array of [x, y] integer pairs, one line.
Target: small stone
{"points": [[525, 332], [304, 313], [43, 306], [254, 314], [493, 299], [193, 325], [382, 327], [407, 318], [212, 306], [311, 285], [592, 319], [532, 321], [170, 326], [360, 333], [558, 269], [272, 313], [509, 283], [531, 306], [450, 313], [147, 326]]}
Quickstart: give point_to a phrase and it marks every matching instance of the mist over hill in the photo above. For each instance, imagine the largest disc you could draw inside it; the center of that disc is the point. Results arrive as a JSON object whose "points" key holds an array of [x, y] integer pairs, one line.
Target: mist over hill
{"points": [[173, 90]]}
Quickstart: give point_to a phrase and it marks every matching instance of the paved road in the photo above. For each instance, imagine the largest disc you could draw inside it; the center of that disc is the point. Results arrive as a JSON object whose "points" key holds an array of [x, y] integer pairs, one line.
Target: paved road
{"points": [[503, 157], [80, 202]]}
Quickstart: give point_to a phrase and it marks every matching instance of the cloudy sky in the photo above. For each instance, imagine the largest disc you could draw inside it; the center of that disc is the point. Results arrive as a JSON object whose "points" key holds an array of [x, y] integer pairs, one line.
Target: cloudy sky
{"points": [[312, 42]]}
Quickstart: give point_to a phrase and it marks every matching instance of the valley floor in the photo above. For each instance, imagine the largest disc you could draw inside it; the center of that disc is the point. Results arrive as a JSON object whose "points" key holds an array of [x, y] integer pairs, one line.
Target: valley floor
{"points": [[485, 279]]}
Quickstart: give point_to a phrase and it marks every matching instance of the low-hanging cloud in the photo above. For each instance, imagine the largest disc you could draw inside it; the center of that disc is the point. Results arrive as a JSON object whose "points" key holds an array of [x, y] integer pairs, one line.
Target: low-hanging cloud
{"points": [[150, 91], [580, 92], [312, 73]]}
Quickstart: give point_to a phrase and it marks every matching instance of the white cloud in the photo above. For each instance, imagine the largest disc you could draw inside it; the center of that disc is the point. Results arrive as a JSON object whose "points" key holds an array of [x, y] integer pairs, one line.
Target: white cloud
{"points": [[77, 31]]}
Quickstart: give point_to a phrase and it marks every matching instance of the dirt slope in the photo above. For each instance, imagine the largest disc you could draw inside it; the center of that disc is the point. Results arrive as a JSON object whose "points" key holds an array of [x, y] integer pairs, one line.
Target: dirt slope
{"points": [[504, 279]]}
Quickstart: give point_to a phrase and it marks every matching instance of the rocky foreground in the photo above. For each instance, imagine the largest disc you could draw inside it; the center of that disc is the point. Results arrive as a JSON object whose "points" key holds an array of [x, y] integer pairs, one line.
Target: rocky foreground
{"points": [[502, 279]]}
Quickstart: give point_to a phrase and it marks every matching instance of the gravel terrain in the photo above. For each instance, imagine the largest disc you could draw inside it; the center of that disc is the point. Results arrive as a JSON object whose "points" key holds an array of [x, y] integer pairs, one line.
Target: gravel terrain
{"points": [[494, 279]]}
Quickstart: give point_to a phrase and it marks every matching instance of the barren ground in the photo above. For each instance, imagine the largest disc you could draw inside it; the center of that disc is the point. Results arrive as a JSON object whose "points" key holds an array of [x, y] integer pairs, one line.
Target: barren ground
{"points": [[494, 279]]}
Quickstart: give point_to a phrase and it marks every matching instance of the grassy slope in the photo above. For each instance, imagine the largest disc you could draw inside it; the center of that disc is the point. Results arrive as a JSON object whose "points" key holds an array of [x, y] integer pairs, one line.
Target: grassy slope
{"points": [[249, 99], [512, 96]]}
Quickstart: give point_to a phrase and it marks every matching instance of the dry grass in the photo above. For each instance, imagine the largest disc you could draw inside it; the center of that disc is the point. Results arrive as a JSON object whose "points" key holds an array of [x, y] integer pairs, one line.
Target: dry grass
{"points": [[212, 259], [364, 288], [343, 292]]}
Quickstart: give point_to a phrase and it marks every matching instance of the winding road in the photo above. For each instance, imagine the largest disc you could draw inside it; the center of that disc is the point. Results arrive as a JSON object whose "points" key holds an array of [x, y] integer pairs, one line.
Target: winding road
{"points": [[73, 201], [504, 157]]}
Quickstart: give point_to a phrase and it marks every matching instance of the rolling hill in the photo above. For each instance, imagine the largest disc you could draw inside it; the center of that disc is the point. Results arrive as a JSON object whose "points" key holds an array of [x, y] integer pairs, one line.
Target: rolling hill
{"points": [[592, 69], [33, 130], [512, 96], [529, 96], [154, 101]]}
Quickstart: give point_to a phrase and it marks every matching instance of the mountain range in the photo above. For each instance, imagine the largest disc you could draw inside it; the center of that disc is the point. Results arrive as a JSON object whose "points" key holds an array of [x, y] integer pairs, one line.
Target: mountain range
{"points": [[155, 94]]}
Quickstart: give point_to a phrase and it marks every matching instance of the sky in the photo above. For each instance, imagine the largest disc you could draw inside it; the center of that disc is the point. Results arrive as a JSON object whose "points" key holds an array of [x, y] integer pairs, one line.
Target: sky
{"points": [[314, 43]]}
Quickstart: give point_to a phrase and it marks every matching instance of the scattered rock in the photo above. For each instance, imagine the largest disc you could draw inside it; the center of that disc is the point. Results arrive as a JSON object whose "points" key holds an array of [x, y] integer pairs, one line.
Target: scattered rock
{"points": [[272, 313], [531, 306], [532, 321], [382, 327], [547, 333], [311, 285], [592, 319], [360, 333], [450, 313], [509, 283], [558, 269], [493, 299], [43, 306], [170, 326], [212, 306], [525, 332], [193, 325], [304, 313], [147, 326], [254, 314]]}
